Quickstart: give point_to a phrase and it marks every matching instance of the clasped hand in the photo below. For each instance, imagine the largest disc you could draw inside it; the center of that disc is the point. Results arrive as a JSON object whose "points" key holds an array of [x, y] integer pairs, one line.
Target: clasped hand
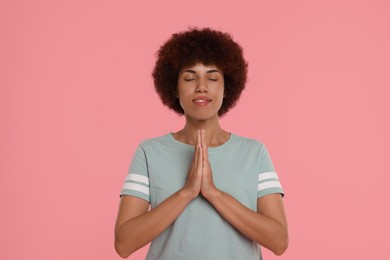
{"points": [[200, 178]]}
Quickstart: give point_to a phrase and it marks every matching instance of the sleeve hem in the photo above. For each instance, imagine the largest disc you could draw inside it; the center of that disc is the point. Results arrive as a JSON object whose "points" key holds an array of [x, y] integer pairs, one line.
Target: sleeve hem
{"points": [[135, 194], [270, 191]]}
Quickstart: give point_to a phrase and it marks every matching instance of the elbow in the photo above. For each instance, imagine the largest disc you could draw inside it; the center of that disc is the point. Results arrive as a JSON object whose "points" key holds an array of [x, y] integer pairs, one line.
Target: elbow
{"points": [[121, 250], [280, 251], [281, 247]]}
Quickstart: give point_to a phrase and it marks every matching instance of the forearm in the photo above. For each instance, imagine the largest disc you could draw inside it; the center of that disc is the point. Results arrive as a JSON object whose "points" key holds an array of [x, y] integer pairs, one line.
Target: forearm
{"points": [[266, 231], [139, 231]]}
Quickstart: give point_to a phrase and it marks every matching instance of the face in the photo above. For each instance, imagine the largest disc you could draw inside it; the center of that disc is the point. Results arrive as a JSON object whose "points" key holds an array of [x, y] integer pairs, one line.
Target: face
{"points": [[201, 91]]}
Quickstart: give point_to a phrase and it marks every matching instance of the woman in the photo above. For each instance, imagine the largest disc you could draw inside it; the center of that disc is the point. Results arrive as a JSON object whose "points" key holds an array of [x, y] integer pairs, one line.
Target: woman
{"points": [[213, 194]]}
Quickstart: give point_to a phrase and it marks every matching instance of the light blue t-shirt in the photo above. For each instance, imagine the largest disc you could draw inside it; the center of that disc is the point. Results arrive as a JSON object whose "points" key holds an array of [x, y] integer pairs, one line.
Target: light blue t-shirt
{"points": [[241, 167]]}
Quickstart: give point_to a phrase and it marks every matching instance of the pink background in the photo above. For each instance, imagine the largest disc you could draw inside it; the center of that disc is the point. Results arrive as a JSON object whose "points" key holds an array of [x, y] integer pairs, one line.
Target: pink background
{"points": [[76, 98]]}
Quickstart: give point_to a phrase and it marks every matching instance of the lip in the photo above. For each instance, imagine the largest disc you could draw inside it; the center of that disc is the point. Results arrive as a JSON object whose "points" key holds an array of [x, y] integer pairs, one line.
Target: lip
{"points": [[201, 100]]}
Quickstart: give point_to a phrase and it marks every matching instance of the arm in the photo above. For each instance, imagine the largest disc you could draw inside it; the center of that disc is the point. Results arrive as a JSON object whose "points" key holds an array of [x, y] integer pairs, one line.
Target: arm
{"points": [[267, 226], [136, 226]]}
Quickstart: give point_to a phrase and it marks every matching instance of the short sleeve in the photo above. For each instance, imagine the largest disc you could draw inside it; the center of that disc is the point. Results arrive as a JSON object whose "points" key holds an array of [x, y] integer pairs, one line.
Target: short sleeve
{"points": [[137, 180], [268, 180]]}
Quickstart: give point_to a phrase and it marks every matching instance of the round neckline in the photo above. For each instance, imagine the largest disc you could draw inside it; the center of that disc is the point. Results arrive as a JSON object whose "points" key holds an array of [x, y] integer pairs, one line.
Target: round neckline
{"points": [[210, 149]]}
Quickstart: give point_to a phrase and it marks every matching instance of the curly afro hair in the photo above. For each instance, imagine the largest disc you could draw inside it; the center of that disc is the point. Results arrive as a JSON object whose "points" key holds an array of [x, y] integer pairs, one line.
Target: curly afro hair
{"points": [[206, 46]]}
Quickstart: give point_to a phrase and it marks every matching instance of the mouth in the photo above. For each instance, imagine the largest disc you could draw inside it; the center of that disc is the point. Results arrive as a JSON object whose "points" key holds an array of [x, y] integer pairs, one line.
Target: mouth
{"points": [[201, 101]]}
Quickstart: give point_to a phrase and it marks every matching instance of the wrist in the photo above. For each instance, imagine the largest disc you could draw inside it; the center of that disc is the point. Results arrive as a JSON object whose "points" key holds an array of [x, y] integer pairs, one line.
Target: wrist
{"points": [[212, 194], [186, 195]]}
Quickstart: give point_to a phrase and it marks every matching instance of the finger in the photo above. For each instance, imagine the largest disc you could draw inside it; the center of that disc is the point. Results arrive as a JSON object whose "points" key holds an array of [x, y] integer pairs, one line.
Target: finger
{"points": [[197, 149], [198, 137], [204, 146], [200, 158], [202, 136]]}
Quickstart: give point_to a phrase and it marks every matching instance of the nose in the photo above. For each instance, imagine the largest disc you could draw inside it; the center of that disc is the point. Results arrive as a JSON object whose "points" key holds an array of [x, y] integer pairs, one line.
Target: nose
{"points": [[201, 87]]}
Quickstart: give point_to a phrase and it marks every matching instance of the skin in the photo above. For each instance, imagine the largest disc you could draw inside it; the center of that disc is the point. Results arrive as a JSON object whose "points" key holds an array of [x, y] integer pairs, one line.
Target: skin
{"points": [[136, 226]]}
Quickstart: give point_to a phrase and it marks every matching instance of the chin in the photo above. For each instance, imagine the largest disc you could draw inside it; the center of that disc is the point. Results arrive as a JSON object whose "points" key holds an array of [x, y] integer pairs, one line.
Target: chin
{"points": [[201, 117]]}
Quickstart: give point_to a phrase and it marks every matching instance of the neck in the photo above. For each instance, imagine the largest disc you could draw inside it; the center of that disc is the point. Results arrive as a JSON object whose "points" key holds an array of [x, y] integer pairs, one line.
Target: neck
{"points": [[215, 135]]}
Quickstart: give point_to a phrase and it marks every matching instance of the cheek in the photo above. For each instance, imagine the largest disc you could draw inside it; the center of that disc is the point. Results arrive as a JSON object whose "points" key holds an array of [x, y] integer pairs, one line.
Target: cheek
{"points": [[182, 94], [220, 92], [219, 97], [220, 102], [185, 89]]}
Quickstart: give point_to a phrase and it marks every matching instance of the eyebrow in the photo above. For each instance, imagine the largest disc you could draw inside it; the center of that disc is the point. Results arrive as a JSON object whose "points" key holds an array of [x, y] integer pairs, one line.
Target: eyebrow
{"points": [[194, 72]]}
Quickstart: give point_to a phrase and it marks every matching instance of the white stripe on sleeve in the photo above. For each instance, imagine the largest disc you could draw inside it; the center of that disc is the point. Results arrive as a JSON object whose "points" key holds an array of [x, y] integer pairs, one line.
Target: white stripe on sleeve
{"points": [[267, 175], [136, 187], [137, 177], [268, 184]]}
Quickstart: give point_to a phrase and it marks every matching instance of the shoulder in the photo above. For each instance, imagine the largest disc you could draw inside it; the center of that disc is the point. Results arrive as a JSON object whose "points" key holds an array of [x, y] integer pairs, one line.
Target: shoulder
{"points": [[155, 141], [247, 142]]}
